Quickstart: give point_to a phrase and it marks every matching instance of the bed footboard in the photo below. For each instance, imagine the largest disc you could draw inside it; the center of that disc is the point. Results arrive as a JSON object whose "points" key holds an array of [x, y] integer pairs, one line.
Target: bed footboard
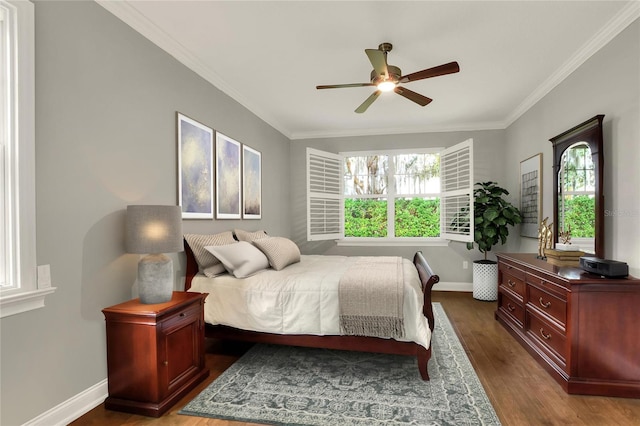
{"points": [[354, 343]]}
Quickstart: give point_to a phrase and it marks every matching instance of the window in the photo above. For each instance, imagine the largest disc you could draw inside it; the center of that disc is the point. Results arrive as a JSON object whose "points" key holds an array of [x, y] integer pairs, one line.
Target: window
{"points": [[18, 283], [391, 196]]}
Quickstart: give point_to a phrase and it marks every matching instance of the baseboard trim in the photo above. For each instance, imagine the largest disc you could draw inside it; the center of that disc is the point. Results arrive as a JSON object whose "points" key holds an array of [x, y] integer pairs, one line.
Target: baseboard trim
{"points": [[453, 286], [72, 408]]}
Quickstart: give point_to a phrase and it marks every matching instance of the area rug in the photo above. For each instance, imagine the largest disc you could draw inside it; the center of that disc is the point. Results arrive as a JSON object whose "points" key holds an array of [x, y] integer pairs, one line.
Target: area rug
{"points": [[283, 385]]}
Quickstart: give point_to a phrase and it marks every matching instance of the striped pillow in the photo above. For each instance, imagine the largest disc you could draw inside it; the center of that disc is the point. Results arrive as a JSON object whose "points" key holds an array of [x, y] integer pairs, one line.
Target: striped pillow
{"points": [[243, 235], [207, 262], [280, 251]]}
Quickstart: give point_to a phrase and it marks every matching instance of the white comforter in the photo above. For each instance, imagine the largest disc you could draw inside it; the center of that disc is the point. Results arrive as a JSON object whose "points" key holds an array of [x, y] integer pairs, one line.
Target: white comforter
{"points": [[300, 299]]}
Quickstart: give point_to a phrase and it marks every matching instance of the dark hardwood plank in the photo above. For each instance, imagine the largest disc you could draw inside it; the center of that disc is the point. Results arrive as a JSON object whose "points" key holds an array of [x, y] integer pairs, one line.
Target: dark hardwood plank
{"points": [[521, 391]]}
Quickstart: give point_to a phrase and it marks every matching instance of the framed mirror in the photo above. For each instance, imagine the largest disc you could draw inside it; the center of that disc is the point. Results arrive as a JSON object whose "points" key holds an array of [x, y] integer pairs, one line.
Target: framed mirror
{"points": [[578, 201]]}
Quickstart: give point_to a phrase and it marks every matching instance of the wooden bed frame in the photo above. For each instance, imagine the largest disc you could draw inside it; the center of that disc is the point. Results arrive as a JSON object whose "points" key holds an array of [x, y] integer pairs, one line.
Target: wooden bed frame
{"points": [[352, 343]]}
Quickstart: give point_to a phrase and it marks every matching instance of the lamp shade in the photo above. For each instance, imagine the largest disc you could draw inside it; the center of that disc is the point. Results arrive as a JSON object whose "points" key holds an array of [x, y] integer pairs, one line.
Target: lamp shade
{"points": [[154, 229]]}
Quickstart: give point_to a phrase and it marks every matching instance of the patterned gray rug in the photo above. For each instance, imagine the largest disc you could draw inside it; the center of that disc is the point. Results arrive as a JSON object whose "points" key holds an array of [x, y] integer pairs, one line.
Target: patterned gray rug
{"points": [[282, 385]]}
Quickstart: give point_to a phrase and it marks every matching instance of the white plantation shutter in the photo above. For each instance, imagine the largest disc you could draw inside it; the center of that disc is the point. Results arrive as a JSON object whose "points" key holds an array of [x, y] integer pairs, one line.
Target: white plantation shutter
{"points": [[456, 187], [325, 204]]}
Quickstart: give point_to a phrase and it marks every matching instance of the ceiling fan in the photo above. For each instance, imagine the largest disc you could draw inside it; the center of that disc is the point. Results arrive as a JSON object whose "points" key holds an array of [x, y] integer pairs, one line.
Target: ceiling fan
{"points": [[389, 77]]}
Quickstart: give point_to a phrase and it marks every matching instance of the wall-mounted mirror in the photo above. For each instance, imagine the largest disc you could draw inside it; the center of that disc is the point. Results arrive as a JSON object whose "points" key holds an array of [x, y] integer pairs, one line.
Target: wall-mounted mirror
{"points": [[578, 202]]}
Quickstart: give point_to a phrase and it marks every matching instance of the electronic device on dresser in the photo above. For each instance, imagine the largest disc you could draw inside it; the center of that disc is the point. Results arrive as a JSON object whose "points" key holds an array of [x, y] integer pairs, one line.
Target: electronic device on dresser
{"points": [[604, 267], [581, 327]]}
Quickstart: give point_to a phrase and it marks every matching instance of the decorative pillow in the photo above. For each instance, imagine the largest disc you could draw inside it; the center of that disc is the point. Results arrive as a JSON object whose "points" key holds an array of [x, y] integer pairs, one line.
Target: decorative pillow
{"points": [[215, 270], [249, 236], [241, 259], [280, 251], [204, 258]]}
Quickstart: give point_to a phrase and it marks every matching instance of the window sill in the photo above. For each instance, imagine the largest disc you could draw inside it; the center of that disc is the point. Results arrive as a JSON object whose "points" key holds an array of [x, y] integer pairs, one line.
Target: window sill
{"points": [[392, 242], [12, 304]]}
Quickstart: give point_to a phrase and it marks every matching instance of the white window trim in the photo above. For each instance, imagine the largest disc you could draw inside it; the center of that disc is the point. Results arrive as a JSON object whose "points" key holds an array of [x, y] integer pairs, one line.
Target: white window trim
{"points": [[25, 295]]}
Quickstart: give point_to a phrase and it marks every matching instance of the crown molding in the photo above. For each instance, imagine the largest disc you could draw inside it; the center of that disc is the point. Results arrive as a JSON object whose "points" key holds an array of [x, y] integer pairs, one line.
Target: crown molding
{"points": [[131, 16], [140, 23], [468, 127], [615, 26]]}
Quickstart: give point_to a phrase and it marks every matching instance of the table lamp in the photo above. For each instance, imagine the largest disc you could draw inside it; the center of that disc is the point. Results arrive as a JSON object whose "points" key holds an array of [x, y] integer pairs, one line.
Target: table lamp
{"points": [[154, 230]]}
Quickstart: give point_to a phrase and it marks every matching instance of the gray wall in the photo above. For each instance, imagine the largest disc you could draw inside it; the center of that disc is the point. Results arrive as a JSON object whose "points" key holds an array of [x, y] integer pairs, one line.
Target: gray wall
{"points": [[106, 102], [607, 83], [488, 150]]}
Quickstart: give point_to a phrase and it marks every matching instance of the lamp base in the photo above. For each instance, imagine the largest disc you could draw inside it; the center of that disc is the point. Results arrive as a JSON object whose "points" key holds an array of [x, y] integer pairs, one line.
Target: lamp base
{"points": [[155, 279]]}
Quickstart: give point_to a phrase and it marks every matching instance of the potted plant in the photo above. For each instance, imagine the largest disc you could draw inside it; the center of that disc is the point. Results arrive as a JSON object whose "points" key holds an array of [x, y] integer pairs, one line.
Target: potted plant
{"points": [[492, 216]]}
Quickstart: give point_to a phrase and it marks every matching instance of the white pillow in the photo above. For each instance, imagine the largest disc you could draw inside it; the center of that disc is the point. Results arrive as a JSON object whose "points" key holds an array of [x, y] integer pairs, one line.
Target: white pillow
{"points": [[280, 251], [241, 259]]}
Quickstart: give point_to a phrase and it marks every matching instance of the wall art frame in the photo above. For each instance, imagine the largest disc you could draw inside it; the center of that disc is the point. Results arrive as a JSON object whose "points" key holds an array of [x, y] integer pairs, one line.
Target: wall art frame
{"points": [[251, 183], [228, 177], [195, 168], [531, 195]]}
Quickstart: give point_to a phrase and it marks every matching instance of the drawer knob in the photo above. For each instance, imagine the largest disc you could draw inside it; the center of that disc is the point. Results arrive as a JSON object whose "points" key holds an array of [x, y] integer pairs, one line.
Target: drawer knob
{"points": [[543, 304], [182, 314], [166, 363], [511, 283], [510, 307]]}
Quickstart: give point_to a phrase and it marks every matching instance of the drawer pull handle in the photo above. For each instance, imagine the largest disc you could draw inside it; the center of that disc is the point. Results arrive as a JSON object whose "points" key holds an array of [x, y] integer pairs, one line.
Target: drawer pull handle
{"points": [[544, 305], [509, 267], [510, 307], [544, 336], [511, 283], [182, 314], [166, 363]]}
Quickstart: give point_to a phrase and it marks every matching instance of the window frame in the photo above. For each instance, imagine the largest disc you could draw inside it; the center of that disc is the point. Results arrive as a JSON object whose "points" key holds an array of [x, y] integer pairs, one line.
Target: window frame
{"points": [[390, 195], [464, 189], [19, 204]]}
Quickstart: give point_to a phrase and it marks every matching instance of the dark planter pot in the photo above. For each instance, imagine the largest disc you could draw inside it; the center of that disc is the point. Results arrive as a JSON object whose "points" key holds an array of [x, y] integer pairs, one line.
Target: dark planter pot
{"points": [[485, 280]]}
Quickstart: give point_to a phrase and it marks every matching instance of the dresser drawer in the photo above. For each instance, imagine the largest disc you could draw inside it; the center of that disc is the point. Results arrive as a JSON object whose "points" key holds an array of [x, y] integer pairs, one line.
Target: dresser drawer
{"points": [[513, 283], [547, 336], [548, 304], [543, 283], [512, 308], [511, 269]]}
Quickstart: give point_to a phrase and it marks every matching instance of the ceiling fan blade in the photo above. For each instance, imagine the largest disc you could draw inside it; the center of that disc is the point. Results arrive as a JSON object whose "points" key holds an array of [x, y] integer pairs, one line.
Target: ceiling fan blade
{"points": [[412, 96], [341, 86], [367, 103], [379, 61], [450, 68]]}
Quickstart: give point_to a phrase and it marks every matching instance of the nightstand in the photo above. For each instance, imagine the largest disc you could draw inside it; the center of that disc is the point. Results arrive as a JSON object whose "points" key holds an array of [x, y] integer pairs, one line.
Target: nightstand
{"points": [[155, 353]]}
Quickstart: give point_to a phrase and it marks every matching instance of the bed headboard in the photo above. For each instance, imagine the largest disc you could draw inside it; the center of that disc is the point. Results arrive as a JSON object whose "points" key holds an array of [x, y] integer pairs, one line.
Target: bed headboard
{"points": [[192, 266]]}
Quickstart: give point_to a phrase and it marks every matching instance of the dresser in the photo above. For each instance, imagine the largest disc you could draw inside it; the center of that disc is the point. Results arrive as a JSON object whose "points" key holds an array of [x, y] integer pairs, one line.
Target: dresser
{"points": [[155, 353], [584, 329]]}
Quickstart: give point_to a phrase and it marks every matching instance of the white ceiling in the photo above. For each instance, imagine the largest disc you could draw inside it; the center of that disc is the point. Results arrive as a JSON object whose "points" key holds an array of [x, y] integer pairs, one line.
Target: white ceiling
{"points": [[270, 55]]}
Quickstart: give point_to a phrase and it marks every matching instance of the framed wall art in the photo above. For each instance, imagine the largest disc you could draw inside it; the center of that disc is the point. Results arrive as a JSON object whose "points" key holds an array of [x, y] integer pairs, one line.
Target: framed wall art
{"points": [[228, 177], [195, 168], [251, 183], [531, 195]]}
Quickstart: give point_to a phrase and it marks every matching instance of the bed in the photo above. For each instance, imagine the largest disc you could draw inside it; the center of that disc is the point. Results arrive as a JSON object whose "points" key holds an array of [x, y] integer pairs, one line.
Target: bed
{"points": [[229, 317]]}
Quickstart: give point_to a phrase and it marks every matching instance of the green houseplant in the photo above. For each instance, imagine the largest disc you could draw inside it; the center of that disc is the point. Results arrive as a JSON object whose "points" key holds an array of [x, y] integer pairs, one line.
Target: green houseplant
{"points": [[492, 216]]}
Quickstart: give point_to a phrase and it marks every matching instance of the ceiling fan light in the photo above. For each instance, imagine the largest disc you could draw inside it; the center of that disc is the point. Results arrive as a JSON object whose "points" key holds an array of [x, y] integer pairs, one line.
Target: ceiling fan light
{"points": [[386, 86]]}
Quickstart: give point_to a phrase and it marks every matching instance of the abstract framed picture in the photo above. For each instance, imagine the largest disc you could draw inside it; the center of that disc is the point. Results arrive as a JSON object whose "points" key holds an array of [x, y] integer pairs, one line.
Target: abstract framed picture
{"points": [[195, 169], [228, 177], [251, 183], [531, 195]]}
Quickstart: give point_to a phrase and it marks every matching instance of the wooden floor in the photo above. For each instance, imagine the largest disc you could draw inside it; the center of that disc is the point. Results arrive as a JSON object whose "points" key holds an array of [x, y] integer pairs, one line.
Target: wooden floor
{"points": [[521, 392]]}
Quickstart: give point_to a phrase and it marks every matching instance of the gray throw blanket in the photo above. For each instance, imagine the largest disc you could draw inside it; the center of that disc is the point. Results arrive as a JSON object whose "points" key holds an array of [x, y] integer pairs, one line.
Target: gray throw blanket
{"points": [[371, 296]]}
